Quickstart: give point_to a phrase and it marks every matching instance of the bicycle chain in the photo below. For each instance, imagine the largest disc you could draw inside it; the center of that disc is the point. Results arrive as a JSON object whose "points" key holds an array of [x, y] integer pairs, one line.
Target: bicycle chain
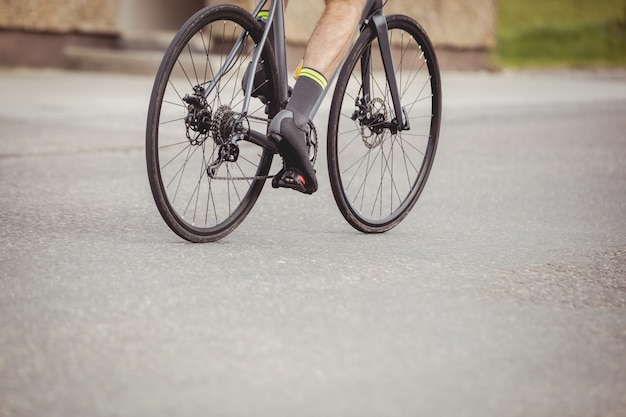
{"points": [[256, 177]]}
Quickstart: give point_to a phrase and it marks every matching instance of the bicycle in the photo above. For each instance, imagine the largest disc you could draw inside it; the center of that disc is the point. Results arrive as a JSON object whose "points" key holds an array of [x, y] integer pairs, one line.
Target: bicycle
{"points": [[208, 156]]}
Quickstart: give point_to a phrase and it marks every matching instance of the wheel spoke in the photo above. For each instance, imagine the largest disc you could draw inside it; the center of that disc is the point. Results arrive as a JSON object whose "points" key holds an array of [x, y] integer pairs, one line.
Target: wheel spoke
{"points": [[203, 185], [379, 169]]}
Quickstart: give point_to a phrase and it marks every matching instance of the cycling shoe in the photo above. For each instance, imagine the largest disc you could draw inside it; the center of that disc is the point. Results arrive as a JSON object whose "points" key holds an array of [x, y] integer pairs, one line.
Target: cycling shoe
{"points": [[291, 142]]}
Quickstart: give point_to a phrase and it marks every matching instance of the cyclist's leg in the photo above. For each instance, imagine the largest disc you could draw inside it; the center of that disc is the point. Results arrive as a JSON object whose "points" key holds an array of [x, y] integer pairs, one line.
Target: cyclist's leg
{"points": [[325, 50], [333, 35]]}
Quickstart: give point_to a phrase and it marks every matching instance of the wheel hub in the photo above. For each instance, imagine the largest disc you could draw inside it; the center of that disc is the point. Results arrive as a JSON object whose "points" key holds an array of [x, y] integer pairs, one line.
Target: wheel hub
{"points": [[372, 117], [198, 120]]}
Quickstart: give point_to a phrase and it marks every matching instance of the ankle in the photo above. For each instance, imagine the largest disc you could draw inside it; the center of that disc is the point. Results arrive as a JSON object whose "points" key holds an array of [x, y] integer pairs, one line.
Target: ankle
{"points": [[306, 92]]}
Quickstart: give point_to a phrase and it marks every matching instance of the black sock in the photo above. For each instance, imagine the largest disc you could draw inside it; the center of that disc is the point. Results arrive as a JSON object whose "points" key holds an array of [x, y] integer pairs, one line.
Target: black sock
{"points": [[306, 92]]}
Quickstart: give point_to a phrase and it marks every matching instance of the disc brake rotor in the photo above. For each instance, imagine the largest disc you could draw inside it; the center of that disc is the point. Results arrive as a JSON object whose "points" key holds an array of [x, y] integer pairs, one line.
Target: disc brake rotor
{"points": [[372, 125]]}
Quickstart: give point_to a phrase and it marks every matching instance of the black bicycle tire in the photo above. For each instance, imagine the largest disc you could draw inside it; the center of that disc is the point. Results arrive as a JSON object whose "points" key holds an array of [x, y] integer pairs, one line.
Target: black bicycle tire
{"points": [[351, 215], [177, 224]]}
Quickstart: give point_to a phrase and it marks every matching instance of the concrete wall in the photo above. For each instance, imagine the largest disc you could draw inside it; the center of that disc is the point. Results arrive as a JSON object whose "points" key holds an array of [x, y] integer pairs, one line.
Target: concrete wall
{"points": [[60, 16], [36, 32], [452, 23], [136, 16], [455, 23]]}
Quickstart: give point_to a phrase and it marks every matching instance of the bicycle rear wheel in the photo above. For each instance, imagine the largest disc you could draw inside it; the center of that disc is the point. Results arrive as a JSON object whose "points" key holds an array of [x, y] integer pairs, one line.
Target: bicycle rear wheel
{"points": [[377, 174], [203, 184]]}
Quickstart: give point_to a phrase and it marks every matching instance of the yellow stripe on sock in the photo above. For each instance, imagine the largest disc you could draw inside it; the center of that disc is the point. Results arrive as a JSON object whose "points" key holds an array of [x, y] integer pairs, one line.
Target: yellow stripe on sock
{"points": [[263, 14], [315, 76]]}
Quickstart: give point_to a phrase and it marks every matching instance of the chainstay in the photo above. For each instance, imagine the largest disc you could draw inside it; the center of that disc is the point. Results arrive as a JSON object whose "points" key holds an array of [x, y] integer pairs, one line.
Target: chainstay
{"points": [[264, 177]]}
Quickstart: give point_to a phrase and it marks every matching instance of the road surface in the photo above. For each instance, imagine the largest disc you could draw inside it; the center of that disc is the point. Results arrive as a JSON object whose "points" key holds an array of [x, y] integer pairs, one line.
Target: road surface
{"points": [[502, 294]]}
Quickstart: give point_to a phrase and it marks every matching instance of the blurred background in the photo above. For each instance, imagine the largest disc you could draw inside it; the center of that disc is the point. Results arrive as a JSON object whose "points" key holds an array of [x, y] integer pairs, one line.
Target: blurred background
{"points": [[130, 35]]}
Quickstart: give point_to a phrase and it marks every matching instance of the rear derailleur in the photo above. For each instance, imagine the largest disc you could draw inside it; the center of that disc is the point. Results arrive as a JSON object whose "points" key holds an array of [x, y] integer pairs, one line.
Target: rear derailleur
{"points": [[224, 125]]}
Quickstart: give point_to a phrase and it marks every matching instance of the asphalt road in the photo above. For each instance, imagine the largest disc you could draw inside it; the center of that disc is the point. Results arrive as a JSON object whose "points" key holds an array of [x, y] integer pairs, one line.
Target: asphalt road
{"points": [[502, 294]]}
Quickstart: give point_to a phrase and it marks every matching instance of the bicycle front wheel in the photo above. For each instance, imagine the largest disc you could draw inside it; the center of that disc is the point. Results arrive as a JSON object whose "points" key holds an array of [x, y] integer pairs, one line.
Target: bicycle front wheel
{"points": [[204, 183], [377, 173]]}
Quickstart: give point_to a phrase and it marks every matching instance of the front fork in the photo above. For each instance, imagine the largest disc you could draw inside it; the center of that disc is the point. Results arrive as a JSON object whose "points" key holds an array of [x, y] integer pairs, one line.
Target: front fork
{"points": [[379, 23]]}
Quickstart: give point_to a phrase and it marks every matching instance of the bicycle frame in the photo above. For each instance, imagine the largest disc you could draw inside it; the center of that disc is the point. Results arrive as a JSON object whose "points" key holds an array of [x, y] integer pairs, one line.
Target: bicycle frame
{"points": [[204, 175], [372, 16]]}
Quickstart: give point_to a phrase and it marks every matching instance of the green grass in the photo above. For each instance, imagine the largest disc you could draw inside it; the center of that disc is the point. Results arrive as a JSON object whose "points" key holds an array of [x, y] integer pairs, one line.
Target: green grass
{"points": [[561, 33]]}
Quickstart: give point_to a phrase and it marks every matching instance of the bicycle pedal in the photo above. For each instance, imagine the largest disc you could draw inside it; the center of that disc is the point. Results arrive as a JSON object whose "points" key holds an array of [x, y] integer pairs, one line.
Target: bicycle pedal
{"points": [[288, 178]]}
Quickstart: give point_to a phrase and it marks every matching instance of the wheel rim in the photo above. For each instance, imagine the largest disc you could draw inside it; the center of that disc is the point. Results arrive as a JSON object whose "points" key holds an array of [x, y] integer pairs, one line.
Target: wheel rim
{"points": [[201, 203], [381, 173]]}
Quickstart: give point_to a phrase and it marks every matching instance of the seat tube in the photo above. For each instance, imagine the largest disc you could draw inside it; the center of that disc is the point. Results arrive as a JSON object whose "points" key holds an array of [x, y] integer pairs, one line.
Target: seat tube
{"points": [[275, 22], [277, 15]]}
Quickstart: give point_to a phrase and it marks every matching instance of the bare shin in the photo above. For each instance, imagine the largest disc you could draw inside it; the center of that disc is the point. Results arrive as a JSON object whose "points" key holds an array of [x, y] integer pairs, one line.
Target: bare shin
{"points": [[333, 35]]}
